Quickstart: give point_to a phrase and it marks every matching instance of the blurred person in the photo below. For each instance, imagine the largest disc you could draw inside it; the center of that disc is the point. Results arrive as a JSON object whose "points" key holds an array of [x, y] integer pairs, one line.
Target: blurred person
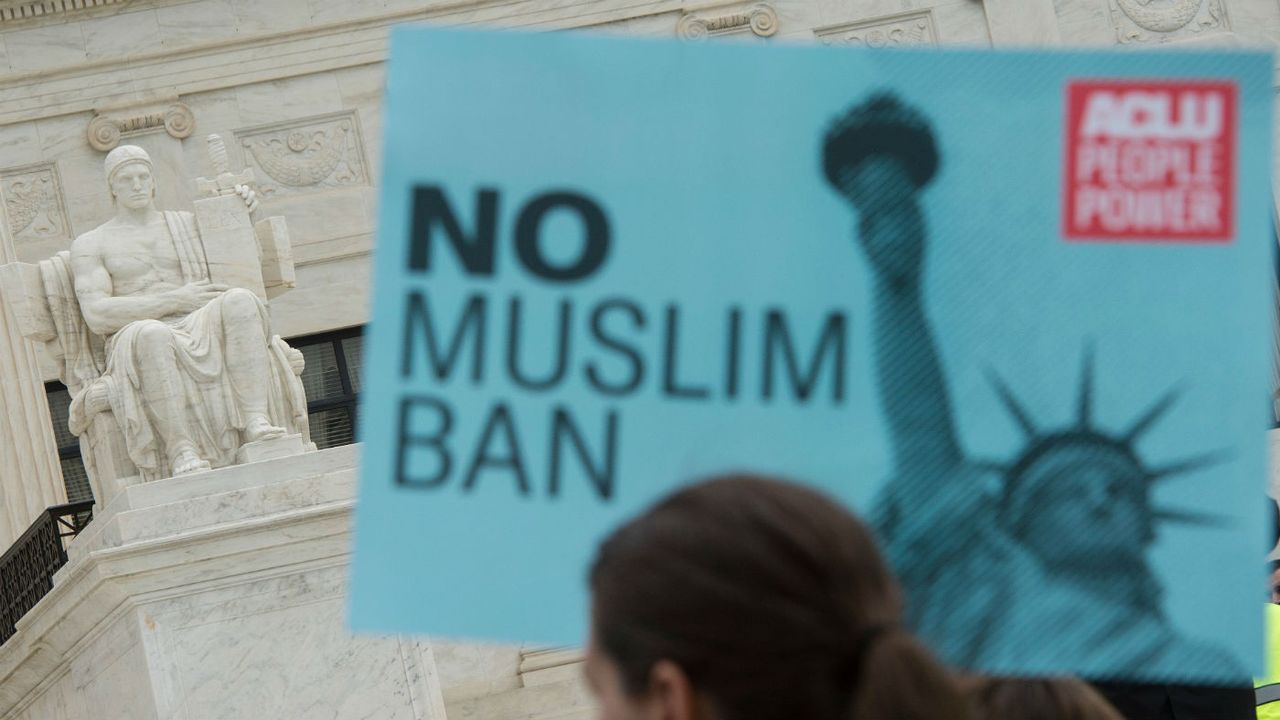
{"points": [[1267, 688], [1065, 698], [746, 598]]}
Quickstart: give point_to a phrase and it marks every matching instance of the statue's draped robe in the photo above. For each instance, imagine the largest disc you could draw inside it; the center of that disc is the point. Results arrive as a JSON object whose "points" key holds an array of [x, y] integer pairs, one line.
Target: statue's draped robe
{"points": [[983, 601], [212, 406]]}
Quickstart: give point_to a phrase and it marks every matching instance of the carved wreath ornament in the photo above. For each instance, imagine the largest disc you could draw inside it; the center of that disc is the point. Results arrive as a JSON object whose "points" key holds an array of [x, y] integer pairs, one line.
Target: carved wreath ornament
{"points": [[305, 156], [1160, 15]]}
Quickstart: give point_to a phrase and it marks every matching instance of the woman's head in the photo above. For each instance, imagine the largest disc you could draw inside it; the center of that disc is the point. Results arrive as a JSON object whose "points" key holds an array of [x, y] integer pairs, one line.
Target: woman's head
{"points": [[745, 598]]}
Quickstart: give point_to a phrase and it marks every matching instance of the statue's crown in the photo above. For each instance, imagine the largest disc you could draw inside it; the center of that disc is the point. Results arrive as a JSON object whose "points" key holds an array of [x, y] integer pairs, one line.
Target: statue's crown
{"points": [[1081, 446]]}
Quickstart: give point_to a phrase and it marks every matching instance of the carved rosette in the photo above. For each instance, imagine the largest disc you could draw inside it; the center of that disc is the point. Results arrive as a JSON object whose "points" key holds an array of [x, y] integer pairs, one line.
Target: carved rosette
{"points": [[33, 199], [893, 31], [1157, 21], [760, 20], [305, 155], [106, 129]]}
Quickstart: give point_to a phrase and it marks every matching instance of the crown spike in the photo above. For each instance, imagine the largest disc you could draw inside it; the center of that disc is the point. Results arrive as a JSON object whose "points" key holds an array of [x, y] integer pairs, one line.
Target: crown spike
{"points": [[1085, 401], [1011, 404], [1189, 517], [1182, 467], [1152, 415]]}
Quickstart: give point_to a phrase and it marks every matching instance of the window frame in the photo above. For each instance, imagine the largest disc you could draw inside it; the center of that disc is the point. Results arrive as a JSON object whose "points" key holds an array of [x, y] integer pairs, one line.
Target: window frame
{"points": [[349, 399]]}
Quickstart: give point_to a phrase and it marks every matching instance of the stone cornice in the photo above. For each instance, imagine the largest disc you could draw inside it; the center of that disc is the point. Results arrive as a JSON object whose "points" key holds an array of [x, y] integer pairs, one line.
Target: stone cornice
{"points": [[243, 60]]}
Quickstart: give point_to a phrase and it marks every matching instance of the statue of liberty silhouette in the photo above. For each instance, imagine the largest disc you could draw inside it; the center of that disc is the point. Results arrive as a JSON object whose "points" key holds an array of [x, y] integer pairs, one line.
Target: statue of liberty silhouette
{"points": [[1036, 564]]}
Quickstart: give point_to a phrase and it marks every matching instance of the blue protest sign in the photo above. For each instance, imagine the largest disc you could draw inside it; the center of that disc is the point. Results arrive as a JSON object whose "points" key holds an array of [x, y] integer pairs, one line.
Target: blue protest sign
{"points": [[1010, 307]]}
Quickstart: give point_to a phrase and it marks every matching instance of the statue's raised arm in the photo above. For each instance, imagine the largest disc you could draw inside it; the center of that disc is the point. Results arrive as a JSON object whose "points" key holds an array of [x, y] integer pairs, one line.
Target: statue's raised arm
{"points": [[879, 156]]}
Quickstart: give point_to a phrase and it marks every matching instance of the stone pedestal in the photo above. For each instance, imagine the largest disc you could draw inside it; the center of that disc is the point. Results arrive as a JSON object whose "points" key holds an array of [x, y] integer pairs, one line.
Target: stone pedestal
{"points": [[215, 595], [273, 449], [30, 474]]}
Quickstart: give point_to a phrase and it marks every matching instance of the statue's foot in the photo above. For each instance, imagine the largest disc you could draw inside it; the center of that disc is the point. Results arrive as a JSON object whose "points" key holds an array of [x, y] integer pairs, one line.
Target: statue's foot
{"points": [[187, 461], [259, 428]]}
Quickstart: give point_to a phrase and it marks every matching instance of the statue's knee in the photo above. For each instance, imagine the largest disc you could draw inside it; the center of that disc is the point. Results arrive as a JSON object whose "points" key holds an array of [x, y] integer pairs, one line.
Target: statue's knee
{"points": [[240, 303], [153, 336]]}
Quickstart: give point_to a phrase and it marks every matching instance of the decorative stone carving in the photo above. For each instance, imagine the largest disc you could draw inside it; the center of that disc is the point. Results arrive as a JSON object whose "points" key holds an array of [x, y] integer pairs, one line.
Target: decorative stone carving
{"points": [[305, 155], [169, 357], [105, 131], [760, 20], [1145, 21], [893, 31], [33, 198], [12, 11]]}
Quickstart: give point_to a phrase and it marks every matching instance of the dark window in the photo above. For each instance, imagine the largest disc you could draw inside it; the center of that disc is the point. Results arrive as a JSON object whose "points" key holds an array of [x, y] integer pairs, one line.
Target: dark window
{"points": [[73, 474], [332, 379]]}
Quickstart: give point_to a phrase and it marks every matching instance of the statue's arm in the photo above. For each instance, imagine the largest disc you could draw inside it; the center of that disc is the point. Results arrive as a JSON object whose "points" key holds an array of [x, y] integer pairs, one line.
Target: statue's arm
{"points": [[103, 312], [910, 382]]}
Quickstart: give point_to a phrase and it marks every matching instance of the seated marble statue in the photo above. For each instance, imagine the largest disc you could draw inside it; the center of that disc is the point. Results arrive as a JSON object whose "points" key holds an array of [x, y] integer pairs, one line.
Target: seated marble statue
{"points": [[190, 374]]}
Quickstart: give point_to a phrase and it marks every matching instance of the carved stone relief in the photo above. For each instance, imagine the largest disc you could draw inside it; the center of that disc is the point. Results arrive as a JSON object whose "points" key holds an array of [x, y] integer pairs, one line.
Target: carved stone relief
{"points": [[107, 128], [33, 198], [892, 31], [300, 156], [1156, 21], [760, 20]]}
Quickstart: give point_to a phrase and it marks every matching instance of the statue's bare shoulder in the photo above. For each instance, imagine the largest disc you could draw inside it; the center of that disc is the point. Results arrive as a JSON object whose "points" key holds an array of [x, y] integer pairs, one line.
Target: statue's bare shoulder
{"points": [[87, 245]]}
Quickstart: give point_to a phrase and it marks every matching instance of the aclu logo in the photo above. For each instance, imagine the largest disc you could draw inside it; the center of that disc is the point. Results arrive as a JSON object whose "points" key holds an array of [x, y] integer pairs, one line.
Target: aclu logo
{"points": [[1150, 161]]}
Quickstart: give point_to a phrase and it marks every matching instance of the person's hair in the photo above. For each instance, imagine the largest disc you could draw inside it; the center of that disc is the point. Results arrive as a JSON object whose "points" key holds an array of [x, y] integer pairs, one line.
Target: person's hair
{"points": [[772, 599], [1066, 698]]}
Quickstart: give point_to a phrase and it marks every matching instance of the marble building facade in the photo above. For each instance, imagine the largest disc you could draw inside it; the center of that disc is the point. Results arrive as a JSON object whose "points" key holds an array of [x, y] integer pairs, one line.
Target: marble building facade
{"points": [[220, 594]]}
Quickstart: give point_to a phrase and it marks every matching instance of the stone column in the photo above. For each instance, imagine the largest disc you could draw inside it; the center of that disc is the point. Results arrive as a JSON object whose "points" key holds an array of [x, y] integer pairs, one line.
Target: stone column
{"points": [[1022, 22], [30, 474]]}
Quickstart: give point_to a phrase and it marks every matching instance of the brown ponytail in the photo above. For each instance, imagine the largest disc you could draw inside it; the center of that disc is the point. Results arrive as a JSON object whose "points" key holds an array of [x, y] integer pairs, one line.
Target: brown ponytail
{"points": [[773, 600]]}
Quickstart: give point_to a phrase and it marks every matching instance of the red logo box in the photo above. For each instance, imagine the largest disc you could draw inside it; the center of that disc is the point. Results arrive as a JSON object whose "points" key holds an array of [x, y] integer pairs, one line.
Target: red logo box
{"points": [[1150, 161]]}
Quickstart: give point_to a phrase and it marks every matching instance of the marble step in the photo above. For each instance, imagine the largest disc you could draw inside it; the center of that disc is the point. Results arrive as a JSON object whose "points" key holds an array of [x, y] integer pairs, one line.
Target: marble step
{"points": [[561, 700]]}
